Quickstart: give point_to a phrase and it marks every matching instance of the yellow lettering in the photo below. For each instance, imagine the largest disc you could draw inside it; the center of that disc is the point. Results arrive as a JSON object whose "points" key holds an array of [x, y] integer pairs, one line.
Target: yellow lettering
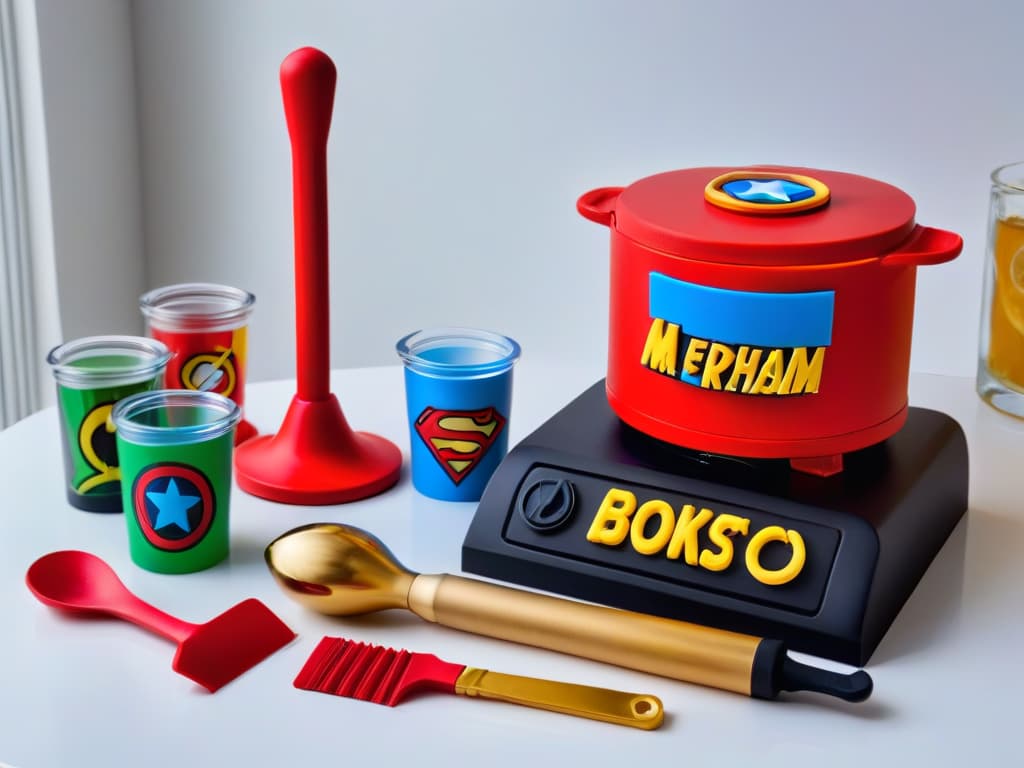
{"points": [[720, 357], [651, 545], [684, 538], [719, 533], [615, 509], [661, 347], [747, 360], [802, 375], [770, 375], [789, 571], [694, 355]]}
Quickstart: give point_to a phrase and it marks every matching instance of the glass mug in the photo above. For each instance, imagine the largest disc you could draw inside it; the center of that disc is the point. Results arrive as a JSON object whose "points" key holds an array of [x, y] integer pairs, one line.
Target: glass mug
{"points": [[1000, 379]]}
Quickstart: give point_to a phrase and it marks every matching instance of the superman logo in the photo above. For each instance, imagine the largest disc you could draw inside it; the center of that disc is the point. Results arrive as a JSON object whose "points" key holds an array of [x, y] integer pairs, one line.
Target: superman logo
{"points": [[458, 440]]}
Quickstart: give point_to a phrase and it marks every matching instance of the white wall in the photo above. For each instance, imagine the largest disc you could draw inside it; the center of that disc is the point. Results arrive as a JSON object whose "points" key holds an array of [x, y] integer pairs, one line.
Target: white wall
{"points": [[91, 135], [464, 131]]}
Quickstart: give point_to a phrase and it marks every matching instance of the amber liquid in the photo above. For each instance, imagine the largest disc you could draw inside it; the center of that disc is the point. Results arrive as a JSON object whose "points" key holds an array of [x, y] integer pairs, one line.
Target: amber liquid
{"points": [[1006, 338]]}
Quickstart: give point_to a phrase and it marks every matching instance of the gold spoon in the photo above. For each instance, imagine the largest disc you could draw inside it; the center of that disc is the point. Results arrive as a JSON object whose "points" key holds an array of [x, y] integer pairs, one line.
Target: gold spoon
{"points": [[341, 570]]}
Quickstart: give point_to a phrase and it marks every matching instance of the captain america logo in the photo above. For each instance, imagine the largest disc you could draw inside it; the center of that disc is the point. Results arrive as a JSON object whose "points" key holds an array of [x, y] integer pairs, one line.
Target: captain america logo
{"points": [[174, 505]]}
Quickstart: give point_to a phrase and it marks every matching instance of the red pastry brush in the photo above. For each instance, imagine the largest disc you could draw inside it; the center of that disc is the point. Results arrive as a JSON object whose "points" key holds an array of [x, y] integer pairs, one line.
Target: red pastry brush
{"points": [[386, 676]]}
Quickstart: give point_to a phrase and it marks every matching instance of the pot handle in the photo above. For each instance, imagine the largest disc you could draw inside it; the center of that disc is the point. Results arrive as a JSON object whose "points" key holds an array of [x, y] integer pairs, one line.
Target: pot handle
{"points": [[926, 246], [599, 204]]}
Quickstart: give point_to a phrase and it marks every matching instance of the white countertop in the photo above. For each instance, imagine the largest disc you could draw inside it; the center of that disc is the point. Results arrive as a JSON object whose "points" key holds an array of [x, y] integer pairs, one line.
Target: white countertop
{"points": [[948, 675]]}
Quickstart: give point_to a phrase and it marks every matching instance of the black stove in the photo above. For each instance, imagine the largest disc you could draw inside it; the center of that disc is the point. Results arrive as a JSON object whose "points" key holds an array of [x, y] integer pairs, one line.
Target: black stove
{"points": [[588, 507]]}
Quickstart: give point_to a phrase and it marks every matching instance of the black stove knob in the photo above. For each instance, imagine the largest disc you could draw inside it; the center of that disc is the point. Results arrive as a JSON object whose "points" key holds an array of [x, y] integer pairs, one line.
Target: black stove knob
{"points": [[547, 505]]}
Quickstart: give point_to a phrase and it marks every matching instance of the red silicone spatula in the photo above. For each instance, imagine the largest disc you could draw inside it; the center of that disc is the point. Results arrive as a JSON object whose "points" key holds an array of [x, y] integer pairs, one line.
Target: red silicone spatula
{"points": [[212, 654], [315, 458]]}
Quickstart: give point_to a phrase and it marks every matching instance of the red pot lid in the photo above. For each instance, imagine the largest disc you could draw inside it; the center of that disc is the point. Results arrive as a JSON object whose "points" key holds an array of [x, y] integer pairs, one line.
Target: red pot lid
{"points": [[765, 215]]}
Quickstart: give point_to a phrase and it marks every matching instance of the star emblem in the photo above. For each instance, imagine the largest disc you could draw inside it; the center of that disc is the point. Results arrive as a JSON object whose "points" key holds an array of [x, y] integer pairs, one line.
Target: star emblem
{"points": [[172, 507], [767, 190], [770, 189]]}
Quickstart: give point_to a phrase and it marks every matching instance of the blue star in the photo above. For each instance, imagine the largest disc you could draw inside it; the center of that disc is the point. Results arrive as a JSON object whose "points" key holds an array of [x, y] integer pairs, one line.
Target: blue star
{"points": [[172, 507], [767, 191]]}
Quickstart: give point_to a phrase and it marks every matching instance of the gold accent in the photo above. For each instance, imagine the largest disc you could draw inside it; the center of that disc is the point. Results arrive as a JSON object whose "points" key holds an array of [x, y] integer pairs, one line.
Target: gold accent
{"points": [[459, 446], [466, 424], [633, 709], [422, 594], [660, 646], [713, 193], [341, 570], [98, 418], [326, 568], [220, 365]]}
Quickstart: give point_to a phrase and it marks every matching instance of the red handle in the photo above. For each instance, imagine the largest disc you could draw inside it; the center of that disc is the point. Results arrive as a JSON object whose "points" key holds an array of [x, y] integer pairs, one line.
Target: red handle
{"points": [[138, 611], [308, 79], [599, 204], [924, 247]]}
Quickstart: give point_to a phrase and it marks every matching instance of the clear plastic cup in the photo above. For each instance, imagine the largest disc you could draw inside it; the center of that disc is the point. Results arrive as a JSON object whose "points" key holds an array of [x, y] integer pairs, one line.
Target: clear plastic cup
{"points": [[458, 388], [92, 375], [205, 326], [176, 448]]}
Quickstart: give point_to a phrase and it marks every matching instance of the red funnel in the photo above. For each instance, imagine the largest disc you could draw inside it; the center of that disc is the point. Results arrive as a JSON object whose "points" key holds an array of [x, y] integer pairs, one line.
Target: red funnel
{"points": [[315, 458]]}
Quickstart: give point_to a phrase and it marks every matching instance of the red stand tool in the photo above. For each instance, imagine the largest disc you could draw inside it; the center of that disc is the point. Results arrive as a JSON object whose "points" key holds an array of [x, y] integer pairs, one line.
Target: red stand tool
{"points": [[315, 458]]}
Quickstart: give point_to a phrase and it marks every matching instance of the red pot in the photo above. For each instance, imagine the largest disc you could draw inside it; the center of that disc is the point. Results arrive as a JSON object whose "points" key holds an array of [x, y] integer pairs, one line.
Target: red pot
{"points": [[765, 311]]}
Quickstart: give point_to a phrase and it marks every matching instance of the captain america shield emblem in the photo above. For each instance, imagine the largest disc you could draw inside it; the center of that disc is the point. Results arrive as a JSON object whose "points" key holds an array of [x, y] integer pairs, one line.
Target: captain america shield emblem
{"points": [[174, 505]]}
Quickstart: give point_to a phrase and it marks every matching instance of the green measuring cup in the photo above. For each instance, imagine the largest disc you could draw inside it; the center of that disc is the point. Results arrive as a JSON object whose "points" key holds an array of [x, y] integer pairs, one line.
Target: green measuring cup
{"points": [[92, 374], [176, 448]]}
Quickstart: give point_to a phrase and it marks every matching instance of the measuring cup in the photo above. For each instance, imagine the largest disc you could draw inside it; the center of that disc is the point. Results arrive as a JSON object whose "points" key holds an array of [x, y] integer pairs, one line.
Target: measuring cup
{"points": [[92, 374]]}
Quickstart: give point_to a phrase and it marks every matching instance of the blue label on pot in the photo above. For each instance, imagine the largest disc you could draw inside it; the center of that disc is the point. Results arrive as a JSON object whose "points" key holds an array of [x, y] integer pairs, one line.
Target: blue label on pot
{"points": [[738, 341]]}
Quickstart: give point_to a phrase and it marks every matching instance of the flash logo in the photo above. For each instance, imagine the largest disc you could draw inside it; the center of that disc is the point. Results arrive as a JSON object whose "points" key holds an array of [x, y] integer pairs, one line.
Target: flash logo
{"points": [[458, 440], [210, 372]]}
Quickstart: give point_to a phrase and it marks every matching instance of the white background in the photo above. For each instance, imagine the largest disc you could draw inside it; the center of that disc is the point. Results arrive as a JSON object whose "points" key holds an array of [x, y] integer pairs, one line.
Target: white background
{"points": [[464, 132]]}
